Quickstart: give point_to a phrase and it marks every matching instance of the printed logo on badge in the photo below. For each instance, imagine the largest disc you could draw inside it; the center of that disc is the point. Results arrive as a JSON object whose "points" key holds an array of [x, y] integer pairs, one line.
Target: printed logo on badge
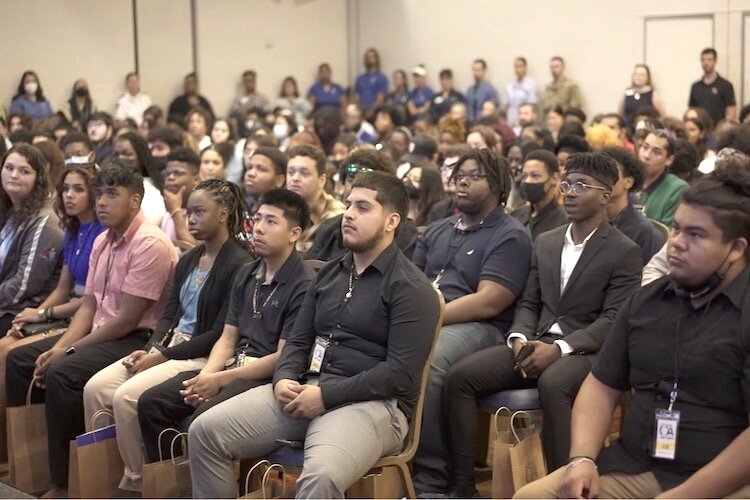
{"points": [[715, 90]]}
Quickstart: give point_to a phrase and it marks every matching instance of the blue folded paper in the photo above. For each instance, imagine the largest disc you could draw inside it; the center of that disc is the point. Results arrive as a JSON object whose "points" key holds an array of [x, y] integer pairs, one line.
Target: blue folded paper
{"points": [[96, 436]]}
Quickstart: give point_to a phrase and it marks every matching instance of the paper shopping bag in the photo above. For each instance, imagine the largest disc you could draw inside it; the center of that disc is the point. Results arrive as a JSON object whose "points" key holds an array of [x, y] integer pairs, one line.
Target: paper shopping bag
{"points": [[100, 466], [28, 460], [170, 476]]}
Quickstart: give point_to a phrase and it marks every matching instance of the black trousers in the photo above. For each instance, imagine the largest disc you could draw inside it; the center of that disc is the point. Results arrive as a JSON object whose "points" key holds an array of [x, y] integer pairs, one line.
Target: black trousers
{"points": [[162, 407], [63, 396], [5, 321], [491, 370]]}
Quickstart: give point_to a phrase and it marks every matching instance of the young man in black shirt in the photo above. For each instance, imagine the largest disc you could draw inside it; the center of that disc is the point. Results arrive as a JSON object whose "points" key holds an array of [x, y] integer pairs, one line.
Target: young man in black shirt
{"points": [[712, 92], [349, 374], [264, 301], [681, 346]]}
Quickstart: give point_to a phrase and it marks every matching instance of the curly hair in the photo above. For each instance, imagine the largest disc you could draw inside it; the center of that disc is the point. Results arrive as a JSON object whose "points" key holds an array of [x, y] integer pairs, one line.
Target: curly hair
{"points": [[229, 195], [87, 173], [36, 199], [454, 127], [496, 168]]}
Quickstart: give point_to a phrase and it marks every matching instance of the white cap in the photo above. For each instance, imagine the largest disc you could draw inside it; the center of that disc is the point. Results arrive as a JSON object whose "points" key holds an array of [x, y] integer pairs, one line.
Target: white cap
{"points": [[419, 71]]}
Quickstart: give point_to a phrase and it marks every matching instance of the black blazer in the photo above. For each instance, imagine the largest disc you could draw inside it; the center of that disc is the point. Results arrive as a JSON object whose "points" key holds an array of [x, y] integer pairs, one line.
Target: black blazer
{"points": [[213, 301], [608, 271]]}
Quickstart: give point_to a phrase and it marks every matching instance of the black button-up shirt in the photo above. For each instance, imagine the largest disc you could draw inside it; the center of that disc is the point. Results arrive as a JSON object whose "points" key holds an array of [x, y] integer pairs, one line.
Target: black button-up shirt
{"points": [[713, 384], [552, 215], [378, 340], [259, 337]]}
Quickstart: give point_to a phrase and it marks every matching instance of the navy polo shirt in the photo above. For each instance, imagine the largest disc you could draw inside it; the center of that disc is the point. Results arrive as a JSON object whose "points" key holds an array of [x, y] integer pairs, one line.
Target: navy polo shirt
{"points": [[331, 97], [498, 249], [421, 96], [368, 86]]}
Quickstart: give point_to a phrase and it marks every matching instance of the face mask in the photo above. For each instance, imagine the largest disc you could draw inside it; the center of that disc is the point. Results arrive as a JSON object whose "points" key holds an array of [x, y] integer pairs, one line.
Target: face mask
{"points": [[82, 92], [160, 162], [705, 287], [411, 190], [31, 88], [78, 160], [534, 192], [280, 131]]}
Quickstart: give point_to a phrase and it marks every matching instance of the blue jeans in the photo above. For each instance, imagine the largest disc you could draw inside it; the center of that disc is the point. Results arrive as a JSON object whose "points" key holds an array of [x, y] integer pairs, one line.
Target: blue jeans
{"points": [[454, 343]]}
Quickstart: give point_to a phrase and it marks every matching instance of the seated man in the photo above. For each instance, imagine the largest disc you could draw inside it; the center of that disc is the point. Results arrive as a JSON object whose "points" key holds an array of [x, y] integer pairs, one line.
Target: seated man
{"points": [[180, 177], [661, 190], [126, 290], [681, 346], [349, 375], [329, 241], [580, 275], [306, 176], [254, 330], [540, 180], [621, 213], [480, 260]]}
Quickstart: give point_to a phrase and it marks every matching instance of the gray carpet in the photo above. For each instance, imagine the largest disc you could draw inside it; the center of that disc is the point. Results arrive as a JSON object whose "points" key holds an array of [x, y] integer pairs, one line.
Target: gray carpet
{"points": [[7, 491]]}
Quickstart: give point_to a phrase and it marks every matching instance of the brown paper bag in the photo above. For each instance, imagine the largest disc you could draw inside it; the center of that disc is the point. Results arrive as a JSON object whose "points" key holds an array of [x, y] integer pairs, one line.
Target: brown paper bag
{"points": [[170, 476], [509, 464], [28, 459], [270, 485], [100, 466], [74, 484]]}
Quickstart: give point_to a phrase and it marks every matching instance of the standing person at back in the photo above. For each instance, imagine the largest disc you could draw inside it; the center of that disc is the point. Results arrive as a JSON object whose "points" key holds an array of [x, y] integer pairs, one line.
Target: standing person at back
{"points": [[480, 92], [371, 86], [561, 91], [712, 92], [133, 102], [522, 89]]}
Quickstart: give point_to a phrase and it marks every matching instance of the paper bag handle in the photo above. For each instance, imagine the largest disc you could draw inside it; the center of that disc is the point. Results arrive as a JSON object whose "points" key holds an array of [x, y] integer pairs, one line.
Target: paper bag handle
{"points": [[512, 422], [158, 444], [250, 473], [497, 412], [96, 416], [264, 481], [30, 390], [174, 440]]}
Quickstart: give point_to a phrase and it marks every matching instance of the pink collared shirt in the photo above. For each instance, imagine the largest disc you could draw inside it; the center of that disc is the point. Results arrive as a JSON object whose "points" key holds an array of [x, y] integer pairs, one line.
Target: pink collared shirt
{"points": [[141, 263]]}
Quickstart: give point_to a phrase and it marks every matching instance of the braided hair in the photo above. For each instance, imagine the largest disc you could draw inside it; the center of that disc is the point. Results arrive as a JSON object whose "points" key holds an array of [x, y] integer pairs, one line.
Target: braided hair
{"points": [[496, 169], [229, 195]]}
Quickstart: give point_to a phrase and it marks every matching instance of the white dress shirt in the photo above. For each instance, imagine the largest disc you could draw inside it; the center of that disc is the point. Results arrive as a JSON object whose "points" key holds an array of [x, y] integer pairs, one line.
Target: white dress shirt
{"points": [[569, 257], [132, 106]]}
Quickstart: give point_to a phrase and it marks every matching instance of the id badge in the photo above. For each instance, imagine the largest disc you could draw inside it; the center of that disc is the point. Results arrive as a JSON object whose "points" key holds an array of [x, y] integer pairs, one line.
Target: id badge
{"points": [[667, 423], [319, 352]]}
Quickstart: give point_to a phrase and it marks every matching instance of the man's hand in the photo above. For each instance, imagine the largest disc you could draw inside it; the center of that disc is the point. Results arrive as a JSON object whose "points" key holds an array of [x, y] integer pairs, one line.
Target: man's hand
{"points": [[131, 360], [579, 481], [28, 315], [283, 390], [544, 355], [44, 361], [147, 361], [308, 404], [173, 201], [201, 388]]}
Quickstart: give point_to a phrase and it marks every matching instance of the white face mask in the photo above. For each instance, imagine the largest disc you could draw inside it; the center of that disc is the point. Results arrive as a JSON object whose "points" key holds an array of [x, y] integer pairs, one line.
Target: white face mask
{"points": [[31, 87], [280, 130]]}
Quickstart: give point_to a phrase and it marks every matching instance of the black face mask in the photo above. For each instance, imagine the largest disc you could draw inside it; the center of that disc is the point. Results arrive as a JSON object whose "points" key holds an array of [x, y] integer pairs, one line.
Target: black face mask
{"points": [[82, 92], [705, 287], [160, 162], [533, 191], [411, 190]]}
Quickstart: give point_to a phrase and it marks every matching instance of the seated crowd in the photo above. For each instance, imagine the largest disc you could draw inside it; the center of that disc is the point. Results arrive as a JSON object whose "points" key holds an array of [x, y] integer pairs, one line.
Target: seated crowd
{"points": [[159, 268]]}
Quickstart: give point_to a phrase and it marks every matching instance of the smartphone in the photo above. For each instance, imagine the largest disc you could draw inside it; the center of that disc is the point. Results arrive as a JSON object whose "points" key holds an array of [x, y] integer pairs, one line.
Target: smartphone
{"points": [[291, 443], [524, 353]]}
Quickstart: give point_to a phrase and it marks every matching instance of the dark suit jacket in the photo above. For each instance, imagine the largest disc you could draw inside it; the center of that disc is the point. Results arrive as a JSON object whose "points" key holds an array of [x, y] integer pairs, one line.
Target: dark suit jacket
{"points": [[608, 271]]}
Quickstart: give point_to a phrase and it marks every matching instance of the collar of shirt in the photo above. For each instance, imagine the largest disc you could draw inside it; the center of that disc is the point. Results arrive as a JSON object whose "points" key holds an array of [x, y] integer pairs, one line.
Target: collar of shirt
{"points": [[380, 263], [734, 291], [569, 237], [656, 183], [286, 271], [129, 232], [545, 211], [490, 221]]}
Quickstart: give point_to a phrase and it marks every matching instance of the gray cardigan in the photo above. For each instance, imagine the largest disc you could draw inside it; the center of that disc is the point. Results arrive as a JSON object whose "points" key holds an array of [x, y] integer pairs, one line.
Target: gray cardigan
{"points": [[32, 267]]}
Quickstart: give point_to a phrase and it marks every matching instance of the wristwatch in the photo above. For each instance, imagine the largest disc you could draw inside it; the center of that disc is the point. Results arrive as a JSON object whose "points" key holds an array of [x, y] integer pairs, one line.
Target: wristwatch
{"points": [[70, 350], [41, 314]]}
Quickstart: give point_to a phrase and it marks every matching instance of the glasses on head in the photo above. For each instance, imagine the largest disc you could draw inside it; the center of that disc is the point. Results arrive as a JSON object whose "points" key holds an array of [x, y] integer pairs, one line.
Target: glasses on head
{"points": [[472, 177], [578, 188], [353, 169]]}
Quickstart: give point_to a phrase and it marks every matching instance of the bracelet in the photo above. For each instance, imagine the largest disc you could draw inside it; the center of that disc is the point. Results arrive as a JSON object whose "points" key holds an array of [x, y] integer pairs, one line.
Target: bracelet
{"points": [[48, 313], [579, 459]]}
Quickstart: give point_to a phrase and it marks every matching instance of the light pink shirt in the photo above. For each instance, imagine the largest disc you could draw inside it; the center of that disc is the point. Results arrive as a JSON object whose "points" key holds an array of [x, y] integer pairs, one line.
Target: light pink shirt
{"points": [[141, 263]]}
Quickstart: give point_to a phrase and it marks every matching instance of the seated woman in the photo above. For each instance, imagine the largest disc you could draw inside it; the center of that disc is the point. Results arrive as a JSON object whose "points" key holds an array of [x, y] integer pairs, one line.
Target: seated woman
{"points": [[191, 324], [214, 160], [30, 246], [133, 149], [424, 185]]}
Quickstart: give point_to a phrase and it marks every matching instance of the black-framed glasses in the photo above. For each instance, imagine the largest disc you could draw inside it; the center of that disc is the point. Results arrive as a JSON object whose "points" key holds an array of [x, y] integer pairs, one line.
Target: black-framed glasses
{"points": [[578, 188], [472, 177]]}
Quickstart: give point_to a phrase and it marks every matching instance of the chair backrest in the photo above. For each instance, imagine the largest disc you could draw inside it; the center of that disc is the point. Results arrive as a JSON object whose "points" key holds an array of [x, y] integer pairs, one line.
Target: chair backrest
{"points": [[415, 426], [315, 264], [661, 227]]}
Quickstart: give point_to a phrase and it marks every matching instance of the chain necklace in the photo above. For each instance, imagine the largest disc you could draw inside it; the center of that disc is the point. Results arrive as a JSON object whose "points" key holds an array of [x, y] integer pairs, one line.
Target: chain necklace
{"points": [[352, 281]]}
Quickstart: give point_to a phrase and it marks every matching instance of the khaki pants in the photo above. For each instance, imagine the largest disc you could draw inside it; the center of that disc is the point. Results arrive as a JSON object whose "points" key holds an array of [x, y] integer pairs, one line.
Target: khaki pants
{"points": [[612, 485], [114, 388]]}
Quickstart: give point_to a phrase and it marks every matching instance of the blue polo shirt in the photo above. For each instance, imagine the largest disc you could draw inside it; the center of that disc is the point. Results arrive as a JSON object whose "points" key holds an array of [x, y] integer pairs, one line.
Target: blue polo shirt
{"points": [[368, 86], [331, 97], [421, 96], [498, 249], [77, 248]]}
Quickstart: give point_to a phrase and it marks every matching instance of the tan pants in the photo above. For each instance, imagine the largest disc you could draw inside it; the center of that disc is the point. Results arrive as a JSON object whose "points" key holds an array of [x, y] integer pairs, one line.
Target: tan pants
{"points": [[612, 485], [115, 389]]}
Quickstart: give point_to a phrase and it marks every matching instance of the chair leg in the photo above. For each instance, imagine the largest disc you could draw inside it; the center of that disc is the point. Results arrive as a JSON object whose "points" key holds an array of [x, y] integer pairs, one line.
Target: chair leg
{"points": [[405, 473]]}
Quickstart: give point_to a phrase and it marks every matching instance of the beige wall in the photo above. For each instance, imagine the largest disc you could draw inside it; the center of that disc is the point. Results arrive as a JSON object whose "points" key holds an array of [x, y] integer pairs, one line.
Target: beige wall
{"points": [[601, 40]]}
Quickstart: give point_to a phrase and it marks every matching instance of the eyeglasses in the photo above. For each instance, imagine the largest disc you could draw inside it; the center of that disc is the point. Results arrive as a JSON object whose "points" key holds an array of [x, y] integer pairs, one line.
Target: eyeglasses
{"points": [[473, 177], [578, 188], [354, 169]]}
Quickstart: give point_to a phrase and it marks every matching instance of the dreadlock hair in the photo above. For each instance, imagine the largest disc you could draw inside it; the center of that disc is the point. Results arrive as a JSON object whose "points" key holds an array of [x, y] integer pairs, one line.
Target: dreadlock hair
{"points": [[229, 195], [34, 202], [87, 172], [496, 169]]}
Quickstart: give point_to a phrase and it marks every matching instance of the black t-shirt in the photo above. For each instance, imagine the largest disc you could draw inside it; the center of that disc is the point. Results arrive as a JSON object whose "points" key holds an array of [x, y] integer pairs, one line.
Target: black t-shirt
{"points": [[713, 98], [279, 302], [713, 383]]}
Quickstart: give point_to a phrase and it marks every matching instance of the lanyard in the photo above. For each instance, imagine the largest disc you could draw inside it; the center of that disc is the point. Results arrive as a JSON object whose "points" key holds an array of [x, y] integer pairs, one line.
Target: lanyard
{"points": [[456, 241], [259, 277], [110, 262], [679, 362]]}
